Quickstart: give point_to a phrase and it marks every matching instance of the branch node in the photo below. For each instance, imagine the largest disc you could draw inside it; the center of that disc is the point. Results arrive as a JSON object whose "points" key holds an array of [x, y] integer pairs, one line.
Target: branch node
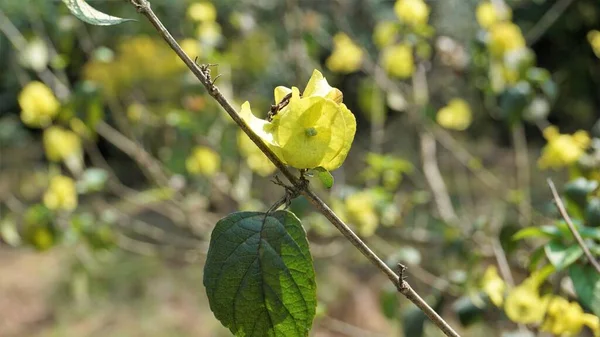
{"points": [[402, 285], [291, 192]]}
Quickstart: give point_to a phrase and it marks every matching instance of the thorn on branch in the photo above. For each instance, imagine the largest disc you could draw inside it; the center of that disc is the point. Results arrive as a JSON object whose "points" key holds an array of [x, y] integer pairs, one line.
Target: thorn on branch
{"points": [[401, 277], [215, 79], [205, 68]]}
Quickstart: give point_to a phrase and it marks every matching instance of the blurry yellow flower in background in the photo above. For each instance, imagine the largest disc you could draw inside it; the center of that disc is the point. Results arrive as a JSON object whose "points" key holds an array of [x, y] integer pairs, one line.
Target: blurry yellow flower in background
{"points": [[191, 47], [346, 56], [493, 285], [524, 304], [61, 144], [398, 61], [505, 37], [360, 209], [594, 39], [456, 115], [202, 11], [142, 62], [489, 13], [61, 194], [135, 111], [412, 12], [38, 104], [566, 318], [384, 33], [256, 160], [203, 161], [562, 149]]}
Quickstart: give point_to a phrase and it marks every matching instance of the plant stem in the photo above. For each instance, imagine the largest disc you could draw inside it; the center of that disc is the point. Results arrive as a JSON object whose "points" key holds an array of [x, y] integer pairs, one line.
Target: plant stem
{"points": [[572, 228], [143, 7], [523, 176]]}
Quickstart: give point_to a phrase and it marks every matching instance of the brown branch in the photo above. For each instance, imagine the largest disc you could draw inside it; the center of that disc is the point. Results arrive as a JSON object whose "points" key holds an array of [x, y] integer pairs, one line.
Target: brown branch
{"points": [[565, 215], [143, 7]]}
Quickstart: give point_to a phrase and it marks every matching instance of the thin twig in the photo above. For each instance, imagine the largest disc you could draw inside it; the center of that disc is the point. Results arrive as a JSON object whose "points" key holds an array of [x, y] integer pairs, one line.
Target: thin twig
{"points": [[20, 43], [143, 7], [435, 180], [547, 20], [565, 215], [523, 176]]}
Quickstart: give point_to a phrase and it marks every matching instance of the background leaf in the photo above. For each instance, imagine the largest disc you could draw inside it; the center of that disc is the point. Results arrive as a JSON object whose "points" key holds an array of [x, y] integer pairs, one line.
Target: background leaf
{"points": [[87, 13], [586, 281], [259, 275], [562, 256], [467, 311]]}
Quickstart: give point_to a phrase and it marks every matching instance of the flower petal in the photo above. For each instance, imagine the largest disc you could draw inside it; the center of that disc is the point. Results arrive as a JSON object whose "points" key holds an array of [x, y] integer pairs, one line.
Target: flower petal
{"points": [[342, 135], [318, 86], [280, 93], [304, 131]]}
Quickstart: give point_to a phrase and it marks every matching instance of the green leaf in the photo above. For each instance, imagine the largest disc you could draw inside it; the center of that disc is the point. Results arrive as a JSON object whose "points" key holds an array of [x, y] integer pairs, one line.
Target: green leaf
{"points": [[578, 190], [87, 13], [413, 318], [413, 322], [562, 256], [535, 258], [586, 282], [259, 275], [324, 176], [537, 232], [389, 301], [467, 311], [589, 232], [592, 213]]}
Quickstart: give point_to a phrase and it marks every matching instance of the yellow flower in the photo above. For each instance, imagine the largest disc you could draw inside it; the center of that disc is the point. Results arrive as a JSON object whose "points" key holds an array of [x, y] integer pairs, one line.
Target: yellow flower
{"points": [[360, 208], [489, 13], [346, 56], [384, 33], [135, 111], [42, 238], [191, 47], [202, 12], [398, 61], [38, 105], [312, 130], [305, 130], [594, 39], [61, 194], [61, 144], [203, 161], [456, 115], [562, 149], [566, 318], [592, 322], [256, 160], [412, 12], [505, 37], [494, 286], [524, 305]]}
